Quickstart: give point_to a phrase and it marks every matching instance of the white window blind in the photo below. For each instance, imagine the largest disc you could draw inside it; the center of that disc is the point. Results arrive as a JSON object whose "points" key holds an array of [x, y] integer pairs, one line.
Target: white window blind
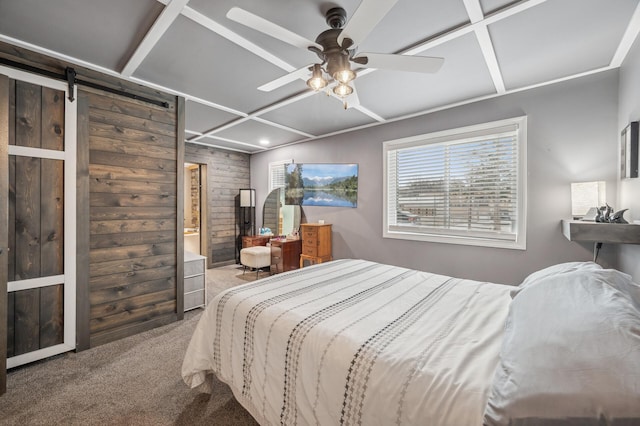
{"points": [[462, 186], [276, 174]]}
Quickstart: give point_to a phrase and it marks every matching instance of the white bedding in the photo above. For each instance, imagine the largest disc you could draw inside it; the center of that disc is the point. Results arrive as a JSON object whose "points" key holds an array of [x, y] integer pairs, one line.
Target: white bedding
{"points": [[354, 342]]}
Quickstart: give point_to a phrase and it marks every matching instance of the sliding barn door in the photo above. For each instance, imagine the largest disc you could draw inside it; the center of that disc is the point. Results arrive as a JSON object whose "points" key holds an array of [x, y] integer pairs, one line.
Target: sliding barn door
{"points": [[41, 210]]}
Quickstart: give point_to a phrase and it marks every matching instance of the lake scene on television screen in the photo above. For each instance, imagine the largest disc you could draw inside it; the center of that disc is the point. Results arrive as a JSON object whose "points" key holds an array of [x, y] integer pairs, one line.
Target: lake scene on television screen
{"points": [[312, 184]]}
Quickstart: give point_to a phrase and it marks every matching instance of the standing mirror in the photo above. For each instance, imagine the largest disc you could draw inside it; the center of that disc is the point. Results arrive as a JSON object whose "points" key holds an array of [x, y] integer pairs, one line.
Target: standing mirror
{"points": [[280, 218]]}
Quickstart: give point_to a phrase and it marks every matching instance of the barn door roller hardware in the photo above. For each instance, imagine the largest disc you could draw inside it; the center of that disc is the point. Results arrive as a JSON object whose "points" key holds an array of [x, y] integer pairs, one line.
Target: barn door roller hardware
{"points": [[71, 80], [70, 76]]}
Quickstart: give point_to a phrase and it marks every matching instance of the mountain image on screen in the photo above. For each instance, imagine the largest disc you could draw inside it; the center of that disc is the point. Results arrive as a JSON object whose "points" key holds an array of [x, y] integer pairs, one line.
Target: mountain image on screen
{"points": [[312, 184]]}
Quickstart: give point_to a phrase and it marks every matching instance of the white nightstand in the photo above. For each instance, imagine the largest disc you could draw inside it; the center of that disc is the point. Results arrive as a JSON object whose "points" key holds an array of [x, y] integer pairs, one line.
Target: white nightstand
{"points": [[195, 281]]}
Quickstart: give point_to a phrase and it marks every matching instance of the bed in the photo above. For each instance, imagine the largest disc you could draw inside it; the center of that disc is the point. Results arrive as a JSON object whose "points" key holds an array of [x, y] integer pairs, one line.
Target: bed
{"points": [[358, 342]]}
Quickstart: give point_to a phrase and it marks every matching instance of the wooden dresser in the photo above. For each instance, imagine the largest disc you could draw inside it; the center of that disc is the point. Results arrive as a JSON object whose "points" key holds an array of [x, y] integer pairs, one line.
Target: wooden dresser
{"points": [[316, 243]]}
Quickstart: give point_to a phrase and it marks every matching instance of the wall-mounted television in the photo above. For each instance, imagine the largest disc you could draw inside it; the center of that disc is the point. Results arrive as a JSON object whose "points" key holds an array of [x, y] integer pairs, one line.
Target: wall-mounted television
{"points": [[317, 184]]}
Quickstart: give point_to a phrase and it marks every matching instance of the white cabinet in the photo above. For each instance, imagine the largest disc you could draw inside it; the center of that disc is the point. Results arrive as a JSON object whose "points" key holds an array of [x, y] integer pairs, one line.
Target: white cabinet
{"points": [[195, 283]]}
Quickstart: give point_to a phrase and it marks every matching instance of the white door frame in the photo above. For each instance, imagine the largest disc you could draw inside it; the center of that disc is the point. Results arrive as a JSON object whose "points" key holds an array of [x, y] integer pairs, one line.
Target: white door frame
{"points": [[68, 278]]}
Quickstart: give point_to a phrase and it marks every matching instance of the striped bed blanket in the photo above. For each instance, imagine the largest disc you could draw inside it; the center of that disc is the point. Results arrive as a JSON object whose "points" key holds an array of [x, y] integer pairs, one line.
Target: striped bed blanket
{"points": [[354, 342]]}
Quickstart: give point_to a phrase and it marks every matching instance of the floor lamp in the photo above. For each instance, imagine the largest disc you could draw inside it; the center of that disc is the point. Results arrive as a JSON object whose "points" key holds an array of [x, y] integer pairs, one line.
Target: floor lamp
{"points": [[246, 216]]}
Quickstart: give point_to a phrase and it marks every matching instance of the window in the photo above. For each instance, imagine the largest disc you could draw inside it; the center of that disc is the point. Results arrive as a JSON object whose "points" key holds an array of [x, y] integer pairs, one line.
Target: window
{"points": [[276, 174], [460, 186]]}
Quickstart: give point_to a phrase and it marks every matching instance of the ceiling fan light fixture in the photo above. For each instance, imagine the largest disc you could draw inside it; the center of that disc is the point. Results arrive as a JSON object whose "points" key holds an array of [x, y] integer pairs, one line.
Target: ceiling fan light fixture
{"points": [[340, 69], [317, 81], [343, 90], [344, 76]]}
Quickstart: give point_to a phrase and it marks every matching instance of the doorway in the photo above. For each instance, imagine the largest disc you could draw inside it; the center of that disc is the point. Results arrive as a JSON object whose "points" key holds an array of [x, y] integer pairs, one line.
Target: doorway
{"points": [[195, 208]]}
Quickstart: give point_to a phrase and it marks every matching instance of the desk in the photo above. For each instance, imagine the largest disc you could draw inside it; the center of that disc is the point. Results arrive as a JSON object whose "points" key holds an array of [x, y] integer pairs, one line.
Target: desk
{"points": [[290, 256]]}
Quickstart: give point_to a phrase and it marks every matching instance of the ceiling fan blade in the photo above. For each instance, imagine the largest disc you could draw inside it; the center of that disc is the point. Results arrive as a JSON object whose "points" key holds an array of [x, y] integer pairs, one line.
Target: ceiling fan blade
{"points": [[285, 79], [365, 18], [424, 64], [269, 28]]}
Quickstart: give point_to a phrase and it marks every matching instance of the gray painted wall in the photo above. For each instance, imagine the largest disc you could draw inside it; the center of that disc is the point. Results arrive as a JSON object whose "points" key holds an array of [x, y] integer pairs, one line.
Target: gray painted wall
{"points": [[629, 110], [572, 136]]}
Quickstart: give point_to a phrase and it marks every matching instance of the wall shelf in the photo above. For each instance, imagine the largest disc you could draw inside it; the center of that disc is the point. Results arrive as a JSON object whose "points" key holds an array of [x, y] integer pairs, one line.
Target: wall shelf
{"points": [[610, 233]]}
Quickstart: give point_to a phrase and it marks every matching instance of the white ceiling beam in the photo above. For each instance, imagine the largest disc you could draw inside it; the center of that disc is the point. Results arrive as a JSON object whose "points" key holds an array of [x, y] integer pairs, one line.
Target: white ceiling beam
{"points": [[160, 26], [233, 141], [209, 145], [476, 16], [474, 10], [629, 36], [283, 127], [486, 46]]}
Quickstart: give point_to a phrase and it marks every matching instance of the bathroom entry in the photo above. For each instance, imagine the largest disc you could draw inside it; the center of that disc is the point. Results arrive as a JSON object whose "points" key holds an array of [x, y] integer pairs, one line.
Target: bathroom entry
{"points": [[195, 208]]}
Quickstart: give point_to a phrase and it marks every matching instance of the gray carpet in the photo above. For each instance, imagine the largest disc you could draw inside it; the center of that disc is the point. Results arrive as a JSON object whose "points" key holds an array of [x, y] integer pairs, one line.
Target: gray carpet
{"points": [[133, 381]]}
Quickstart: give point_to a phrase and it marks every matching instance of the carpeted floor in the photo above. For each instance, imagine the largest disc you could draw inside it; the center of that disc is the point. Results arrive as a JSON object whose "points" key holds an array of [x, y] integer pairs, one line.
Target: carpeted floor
{"points": [[133, 381]]}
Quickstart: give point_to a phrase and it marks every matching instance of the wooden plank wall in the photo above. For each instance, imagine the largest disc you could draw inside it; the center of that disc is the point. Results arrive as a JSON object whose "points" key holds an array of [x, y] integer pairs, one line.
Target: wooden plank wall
{"points": [[133, 214], [128, 198], [227, 172]]}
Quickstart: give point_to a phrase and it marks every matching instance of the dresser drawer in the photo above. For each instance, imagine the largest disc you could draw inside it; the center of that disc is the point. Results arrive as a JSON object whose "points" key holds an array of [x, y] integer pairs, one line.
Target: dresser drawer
{"points": [[309, 234], [194, 283], [311, 242], [193, 267], [194, 300], [309, 250]]}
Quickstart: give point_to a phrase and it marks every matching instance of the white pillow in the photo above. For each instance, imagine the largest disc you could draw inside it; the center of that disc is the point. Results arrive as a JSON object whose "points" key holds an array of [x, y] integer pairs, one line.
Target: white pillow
{"points": [[571, 353], [561, 268]]}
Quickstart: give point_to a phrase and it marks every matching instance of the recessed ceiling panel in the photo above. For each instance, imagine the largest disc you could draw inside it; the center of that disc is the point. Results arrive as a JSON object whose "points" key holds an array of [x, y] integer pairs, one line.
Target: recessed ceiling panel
{"points": [[411, 22], [194, 60], [103, 33], [200, 118], [318, 114], [396, 93], [559, 38], [253, 132]]}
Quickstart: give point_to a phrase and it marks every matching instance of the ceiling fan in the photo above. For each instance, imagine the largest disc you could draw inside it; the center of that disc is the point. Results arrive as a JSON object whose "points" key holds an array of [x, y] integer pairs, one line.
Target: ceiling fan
{"points": [[336, 48]]}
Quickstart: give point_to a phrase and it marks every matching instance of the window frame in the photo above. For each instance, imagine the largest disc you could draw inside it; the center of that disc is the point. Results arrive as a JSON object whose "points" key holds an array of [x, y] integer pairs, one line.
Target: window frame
{"points": [[272, 167], [449, 136]]}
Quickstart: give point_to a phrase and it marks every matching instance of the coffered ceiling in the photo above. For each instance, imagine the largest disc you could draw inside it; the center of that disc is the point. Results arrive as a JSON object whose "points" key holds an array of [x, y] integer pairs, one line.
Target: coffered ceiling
{"points": [[191, 48]]}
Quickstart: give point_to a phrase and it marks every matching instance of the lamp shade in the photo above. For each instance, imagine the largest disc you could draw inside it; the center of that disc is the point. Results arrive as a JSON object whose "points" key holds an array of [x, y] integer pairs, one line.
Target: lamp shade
{"points": [[247, 198], [585, 195], [317, 81]]}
